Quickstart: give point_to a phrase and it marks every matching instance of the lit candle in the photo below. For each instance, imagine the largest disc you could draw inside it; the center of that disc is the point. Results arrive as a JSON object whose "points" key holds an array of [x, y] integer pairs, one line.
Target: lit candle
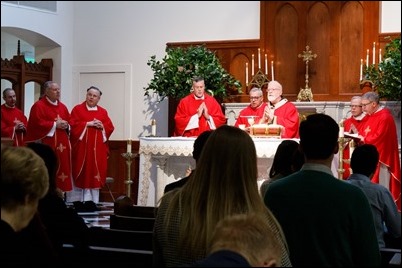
{"points": [[259, 59], [380, 56], [374, 53], [272, 70], [367, 59], [361, 69], [266, 64], [252, 64], [128, 146], [341, 132], [246, 73]]}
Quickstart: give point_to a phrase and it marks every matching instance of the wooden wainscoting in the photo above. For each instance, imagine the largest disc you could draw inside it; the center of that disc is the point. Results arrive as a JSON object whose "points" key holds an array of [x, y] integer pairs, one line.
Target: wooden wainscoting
{"points": [[117, 169]]}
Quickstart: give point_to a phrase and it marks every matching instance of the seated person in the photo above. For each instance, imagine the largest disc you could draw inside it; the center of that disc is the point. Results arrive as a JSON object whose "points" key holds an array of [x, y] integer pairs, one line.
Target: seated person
{"points": [[364, 163], [255, 108], [242, 240]]}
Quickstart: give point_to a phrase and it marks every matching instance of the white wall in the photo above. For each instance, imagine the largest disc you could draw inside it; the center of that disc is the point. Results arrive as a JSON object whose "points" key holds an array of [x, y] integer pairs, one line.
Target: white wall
{"points": [[120, 37]]}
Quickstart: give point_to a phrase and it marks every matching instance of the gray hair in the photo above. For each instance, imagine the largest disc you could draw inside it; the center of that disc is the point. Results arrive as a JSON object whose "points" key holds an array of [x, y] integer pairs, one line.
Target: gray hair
{"points": [[256, 89], [371, 96]]}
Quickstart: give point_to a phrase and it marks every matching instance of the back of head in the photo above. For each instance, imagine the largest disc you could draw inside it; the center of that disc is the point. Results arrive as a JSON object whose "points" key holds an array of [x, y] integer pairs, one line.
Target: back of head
{"points": [[249, 235], [283, 160], [50, 159], [364, 159], [23, 176], [319, 136], [199, 143]]}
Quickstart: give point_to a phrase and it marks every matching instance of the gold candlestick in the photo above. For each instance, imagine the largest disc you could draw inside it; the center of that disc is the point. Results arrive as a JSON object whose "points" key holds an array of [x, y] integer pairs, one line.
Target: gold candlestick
{"points": [[129, 156], [305, 93]]}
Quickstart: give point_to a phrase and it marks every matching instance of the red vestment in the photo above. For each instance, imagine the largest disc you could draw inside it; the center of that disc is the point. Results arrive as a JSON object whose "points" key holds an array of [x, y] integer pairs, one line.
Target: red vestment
{"points": [[351, 125], [249, 111], [380, 130], [41, 121], [89, 149], [187, 108], [288, 116], [8, 117]]}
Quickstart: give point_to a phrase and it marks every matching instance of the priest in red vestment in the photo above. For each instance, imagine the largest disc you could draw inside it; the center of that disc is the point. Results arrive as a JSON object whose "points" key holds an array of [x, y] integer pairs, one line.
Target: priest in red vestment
{"points": [[286, 112], [380, 130], [13, 120], [48, 123], [197, 112], [91, 128], [254, 110], [354, 124]]}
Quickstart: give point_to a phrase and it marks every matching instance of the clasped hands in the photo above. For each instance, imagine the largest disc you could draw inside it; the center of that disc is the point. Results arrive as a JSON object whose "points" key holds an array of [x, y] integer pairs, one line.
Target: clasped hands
{"points": [[268, 115], [19, 125], [95, 123], [62, 124], [203, 110]]}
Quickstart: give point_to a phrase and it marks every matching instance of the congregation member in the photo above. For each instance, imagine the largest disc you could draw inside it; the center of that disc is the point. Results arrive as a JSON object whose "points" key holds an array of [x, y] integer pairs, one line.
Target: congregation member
{"points": [[242, 240], [48, 124], [91, 128], [387, 219], [197, 112], [287, 160], [13, 120], [224, 183], [255, 109], [380, 130], [354, 124], [24, 181], [326, 221], [284, 110], [197, 148]]}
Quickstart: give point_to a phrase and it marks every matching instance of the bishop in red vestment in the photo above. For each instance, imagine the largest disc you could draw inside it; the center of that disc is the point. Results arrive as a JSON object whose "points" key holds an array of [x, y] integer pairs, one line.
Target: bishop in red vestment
{"points": [[254, 110], [380, 130], [91, 128], [48, 123], [13, 120], [197, 112]]}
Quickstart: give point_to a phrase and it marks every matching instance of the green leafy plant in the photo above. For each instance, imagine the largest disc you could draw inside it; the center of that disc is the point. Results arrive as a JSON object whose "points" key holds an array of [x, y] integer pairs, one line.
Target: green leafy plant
{"points": [[173, 75], [386, 77]]}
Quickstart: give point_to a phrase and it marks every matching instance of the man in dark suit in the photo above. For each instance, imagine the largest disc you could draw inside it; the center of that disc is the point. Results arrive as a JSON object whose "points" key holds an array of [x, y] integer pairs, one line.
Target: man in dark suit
{"points": [[197, 148]]}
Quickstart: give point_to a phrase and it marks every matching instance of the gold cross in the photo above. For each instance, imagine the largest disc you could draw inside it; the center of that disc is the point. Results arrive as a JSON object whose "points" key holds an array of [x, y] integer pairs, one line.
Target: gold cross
{"points": [[307, 55], [367, 130], [63, 176], [61, 147]]}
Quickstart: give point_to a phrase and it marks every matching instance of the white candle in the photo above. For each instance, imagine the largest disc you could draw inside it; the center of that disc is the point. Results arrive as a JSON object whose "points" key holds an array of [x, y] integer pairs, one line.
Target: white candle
{"points": [[272, 70], [266, 64], [341, 132], [361, 69], [380, 56], [252, 64], [259, 59], [128, 146], [246, 73], [374, 53], [367, 59]]}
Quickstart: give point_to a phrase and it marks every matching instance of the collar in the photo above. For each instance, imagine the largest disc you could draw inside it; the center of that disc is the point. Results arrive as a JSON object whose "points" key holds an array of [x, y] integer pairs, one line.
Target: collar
{"points": [[279, 104], [358, 177], [11, 107], [317, 167], [199, 98], [360, 117], [51, 102], [95, 108]]}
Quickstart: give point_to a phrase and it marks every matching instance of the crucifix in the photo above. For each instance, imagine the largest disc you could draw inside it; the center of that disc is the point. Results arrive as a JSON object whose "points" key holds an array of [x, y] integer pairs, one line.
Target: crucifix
{"points": [[305, 94]]}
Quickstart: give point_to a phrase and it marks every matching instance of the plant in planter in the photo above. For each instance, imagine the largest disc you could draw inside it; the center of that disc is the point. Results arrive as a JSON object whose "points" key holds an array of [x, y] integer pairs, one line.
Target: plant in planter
{"points": [[386, 77], [172, 75]]}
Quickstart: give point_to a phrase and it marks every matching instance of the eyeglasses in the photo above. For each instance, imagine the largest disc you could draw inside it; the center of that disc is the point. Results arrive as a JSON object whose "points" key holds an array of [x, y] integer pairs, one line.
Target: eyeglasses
{"points": [[365, 104], [355, 106], [255, 98]]}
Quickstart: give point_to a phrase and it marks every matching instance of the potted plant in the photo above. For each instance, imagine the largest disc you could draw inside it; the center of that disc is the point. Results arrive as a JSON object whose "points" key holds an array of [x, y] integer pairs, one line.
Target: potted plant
{"points": [[173, 74], [386, 77]]}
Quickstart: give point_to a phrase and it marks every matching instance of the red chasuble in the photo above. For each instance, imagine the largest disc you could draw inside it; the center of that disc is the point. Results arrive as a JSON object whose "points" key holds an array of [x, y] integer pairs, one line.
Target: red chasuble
{"points": [[380, 130], [89, 149], [41, 120], [8, 117], [188, 107], [351, 125], [288, 116], [249, 111]]}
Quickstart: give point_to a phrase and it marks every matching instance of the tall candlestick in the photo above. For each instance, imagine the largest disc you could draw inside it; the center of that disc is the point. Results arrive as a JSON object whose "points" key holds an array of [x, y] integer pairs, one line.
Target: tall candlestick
{"points": [[129, 146], [361, 69], [341, 132], [374, 53], [246, 73], [367, 59], [272, 70], [259, 59], [252, 64], [379, 56], [266, 64]]}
